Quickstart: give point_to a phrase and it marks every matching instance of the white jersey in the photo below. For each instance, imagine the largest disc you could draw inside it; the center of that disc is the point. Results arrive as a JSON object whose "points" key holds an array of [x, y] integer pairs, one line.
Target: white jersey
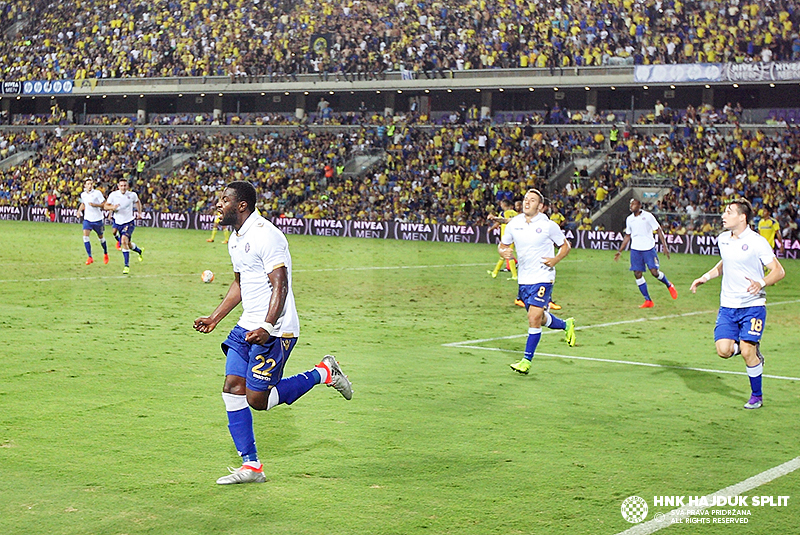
{"points": [[92, 213], [126, 202], [256, 250], [534, 242], [742, 258], [641, 228]]}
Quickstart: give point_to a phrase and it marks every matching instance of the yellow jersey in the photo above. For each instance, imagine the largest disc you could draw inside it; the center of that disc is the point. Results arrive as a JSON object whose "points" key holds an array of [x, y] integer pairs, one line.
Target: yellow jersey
{"points": [[507, 215], [769, 228]]}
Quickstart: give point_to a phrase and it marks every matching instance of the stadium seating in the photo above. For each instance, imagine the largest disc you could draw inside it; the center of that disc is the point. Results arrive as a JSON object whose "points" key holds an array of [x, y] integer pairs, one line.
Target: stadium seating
{"points": [[273, 41], [428, 174]]}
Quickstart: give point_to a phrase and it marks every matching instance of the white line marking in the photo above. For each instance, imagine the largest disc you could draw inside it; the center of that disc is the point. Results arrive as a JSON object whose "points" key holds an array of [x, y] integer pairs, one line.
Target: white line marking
{"points": [[747, 485], [629, 362], [611, 324], [467, 344]]}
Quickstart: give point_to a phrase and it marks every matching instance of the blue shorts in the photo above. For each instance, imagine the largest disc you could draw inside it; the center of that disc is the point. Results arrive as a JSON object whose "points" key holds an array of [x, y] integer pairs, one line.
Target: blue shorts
{"points": [[261, 365], [126, 228], [96, 226], [535, 295], [740, 324], [643, 260]]}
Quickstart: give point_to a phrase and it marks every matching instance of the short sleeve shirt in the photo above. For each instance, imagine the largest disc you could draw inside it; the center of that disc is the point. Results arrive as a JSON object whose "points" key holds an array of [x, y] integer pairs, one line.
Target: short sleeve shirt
{"points": [[641, 229], [534, 242], [127, 202], [92, 213], [257, 249], [742, 258]]}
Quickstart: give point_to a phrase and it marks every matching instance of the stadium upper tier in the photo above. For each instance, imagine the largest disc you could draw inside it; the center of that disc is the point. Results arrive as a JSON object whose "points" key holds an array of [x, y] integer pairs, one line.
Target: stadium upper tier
{"points": [[452, 174], [357, 40]]}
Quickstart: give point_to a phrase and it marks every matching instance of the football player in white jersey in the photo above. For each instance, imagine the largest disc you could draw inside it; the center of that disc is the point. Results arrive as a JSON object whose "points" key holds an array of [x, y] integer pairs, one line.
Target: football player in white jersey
{"points": [[534, 235], [91, 210], [639, 229], [122, 202], [742, 312], [258, 347]]}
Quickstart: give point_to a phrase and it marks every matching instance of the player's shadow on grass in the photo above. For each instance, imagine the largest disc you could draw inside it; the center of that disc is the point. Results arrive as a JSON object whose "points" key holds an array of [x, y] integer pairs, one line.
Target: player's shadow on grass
{"points": [[701, 382]]}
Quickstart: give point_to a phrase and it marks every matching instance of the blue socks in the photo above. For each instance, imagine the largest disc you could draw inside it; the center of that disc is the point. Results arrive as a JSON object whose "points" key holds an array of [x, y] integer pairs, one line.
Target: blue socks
{"points": [[290, 389], [663, 278], [240, 424], [554, 322], [240, 416], [126, 255], [534, 335], [88, 245], [754, 373], [643, 288]]}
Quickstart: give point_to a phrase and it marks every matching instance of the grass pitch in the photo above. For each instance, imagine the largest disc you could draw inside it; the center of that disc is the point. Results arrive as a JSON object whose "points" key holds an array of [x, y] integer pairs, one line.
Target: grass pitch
{"points": [[111, 419]]}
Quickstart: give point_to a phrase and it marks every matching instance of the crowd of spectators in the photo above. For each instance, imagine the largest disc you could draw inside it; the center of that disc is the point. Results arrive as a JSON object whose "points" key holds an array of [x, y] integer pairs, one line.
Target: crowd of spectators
{"points": [[361, 39], [698, 170], [63, 160], [446, 174]]}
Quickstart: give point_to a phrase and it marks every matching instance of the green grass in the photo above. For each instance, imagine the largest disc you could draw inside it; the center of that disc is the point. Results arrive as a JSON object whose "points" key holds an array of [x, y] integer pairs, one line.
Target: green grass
{"points": [[111, 420]]}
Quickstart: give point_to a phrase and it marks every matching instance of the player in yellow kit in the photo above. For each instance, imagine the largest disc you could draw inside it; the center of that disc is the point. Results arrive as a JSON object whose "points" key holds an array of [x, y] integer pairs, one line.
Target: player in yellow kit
{"points": [[769, 228], [507, 213], [216, 227]]}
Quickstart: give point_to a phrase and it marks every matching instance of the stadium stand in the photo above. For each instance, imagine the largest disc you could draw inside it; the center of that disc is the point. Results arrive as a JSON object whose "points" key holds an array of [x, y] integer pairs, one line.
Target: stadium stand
{"points": [[358, 40], [455, 174]]}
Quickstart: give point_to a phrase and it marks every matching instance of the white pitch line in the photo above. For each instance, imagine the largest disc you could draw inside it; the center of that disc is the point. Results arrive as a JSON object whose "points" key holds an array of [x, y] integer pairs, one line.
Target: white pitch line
{"points": [[596, 325], [629, 362], [467, 345], [747, 485]]}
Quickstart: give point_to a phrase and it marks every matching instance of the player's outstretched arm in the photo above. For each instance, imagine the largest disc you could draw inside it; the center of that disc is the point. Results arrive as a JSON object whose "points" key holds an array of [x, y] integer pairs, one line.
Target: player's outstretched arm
{"points": [[206, 324], [663, 242], [625, 241], [714, 272]]}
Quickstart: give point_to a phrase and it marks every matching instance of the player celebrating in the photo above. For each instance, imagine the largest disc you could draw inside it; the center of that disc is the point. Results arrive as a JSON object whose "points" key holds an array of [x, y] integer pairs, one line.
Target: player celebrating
{"points": [[91, 211], [639, 229], [742, 311], [534, 236], [122, 202], [259, 345]]}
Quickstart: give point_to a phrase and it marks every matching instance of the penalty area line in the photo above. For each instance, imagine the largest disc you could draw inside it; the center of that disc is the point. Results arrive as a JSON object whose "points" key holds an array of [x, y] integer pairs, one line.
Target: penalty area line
{"points": [[666, 520]]}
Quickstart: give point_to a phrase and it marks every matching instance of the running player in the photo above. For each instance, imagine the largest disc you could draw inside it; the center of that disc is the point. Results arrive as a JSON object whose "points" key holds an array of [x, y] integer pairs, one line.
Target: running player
{"points": [[91, 210], [742, 311], [122, 202], [534, 236], [639, 229]]}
